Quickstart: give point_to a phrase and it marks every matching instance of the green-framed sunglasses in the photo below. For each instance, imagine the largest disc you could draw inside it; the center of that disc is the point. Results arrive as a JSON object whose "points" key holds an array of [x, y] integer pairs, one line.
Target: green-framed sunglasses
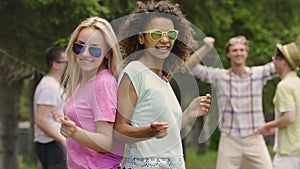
{"points": [[157, 34]]}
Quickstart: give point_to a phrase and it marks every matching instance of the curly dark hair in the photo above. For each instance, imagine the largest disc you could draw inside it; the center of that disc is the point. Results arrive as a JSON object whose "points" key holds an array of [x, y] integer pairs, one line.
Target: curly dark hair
{"points": [[137, 22]]}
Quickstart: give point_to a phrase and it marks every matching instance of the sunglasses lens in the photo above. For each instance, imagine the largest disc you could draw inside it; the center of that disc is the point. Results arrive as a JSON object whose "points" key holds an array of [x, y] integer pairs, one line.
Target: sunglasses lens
{"points": [[156, 35], [95, 51], [78, 48], [172, 35]]}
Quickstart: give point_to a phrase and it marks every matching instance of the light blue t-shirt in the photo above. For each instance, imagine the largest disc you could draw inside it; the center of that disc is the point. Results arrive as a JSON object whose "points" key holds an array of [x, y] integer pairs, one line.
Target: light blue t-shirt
{"points": [[156, 102]]}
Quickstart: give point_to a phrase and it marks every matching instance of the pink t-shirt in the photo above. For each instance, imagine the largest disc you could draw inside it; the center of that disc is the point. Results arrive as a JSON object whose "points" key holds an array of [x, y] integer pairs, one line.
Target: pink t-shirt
{"points": [[93, 101]]}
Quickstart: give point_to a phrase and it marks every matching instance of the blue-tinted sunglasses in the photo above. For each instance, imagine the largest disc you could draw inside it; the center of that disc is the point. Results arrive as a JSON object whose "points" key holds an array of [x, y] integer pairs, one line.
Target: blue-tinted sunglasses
{"points": [[78, 48]]}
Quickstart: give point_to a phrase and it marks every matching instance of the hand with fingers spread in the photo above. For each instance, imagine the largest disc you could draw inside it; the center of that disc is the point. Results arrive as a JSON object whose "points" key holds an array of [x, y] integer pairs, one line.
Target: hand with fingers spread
{"points": [[159, 129]]}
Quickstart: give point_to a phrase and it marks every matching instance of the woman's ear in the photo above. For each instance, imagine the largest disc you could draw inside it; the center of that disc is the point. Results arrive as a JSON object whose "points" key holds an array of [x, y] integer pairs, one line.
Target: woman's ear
{"points": [[141, 38]]}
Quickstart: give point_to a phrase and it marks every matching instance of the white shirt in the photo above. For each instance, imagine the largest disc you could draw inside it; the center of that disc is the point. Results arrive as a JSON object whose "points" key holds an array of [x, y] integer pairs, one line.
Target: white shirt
{"points": [[48, 92], [156, 102]]}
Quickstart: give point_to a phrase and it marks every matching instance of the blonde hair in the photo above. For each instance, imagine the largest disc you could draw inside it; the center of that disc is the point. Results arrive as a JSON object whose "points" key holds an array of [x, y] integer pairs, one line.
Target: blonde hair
{"points": [[73, 72], [236, 40]]}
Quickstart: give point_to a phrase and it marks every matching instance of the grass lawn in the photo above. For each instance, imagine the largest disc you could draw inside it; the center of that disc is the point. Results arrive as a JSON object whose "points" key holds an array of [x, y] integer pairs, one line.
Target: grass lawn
{"points": [[200, 161], [208, 160], [22, 164]]}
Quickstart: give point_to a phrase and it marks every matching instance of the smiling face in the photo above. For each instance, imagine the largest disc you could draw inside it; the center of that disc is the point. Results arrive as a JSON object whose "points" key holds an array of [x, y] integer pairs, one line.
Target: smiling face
{"points": [[237, 54], [90, 37], [160, 49]]}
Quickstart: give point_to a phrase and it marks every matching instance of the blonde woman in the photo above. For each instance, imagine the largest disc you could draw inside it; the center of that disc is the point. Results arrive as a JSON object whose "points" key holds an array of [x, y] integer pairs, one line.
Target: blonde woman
{"points": [[90, 110]]}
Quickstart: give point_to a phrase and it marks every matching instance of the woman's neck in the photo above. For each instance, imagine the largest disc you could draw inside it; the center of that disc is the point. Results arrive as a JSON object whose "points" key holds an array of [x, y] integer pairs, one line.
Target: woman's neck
{"points": [[154, 65], [158, 72], [87, 75]]}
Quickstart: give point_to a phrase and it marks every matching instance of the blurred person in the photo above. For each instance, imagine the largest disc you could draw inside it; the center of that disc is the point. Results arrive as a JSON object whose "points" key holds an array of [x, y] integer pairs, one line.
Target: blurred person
{"points": [[49, 97], [287, 108], [239, 96]]}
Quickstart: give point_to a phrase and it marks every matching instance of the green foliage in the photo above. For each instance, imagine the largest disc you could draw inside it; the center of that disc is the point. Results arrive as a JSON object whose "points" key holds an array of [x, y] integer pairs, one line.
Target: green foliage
{"points": [[62, 10], [214, 140], [57, 19], [264, 22], [41, 23], [119, 8], [23, 165]]}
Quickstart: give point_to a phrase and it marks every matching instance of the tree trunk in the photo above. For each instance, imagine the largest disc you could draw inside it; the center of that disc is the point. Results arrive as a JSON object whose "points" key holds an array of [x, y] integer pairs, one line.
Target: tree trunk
{"points": [[9, 112], [31, 157]]}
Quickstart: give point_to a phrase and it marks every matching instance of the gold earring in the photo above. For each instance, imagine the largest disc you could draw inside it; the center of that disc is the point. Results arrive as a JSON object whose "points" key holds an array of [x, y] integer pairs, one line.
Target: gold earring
{"points": [[141, 42]]}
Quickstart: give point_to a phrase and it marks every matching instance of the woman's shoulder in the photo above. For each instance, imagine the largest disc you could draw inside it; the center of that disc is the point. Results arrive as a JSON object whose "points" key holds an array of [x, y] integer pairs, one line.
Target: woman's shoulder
{"points": [[105, 75], [135, 65], [134, 69]]}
